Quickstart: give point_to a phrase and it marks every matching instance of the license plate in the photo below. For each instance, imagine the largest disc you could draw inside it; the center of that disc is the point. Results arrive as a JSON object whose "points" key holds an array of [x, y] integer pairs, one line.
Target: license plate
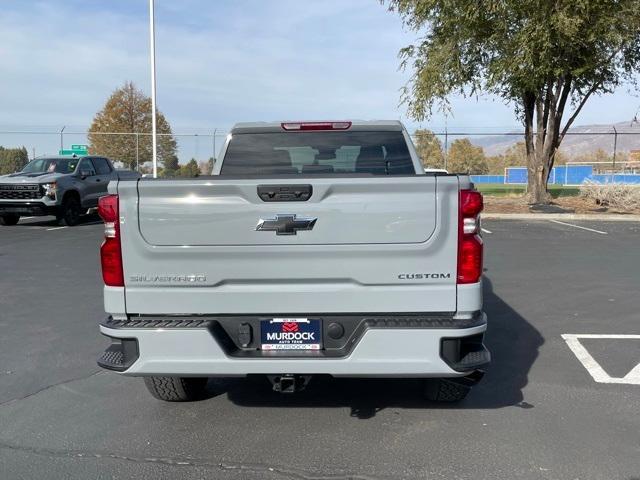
{"points": [[291, 334]]}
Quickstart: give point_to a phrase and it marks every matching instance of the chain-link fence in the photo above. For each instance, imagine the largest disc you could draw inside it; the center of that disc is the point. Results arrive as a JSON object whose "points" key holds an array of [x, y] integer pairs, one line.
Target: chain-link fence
{"points": [[605, 155], [492, 157], [201, 147]]}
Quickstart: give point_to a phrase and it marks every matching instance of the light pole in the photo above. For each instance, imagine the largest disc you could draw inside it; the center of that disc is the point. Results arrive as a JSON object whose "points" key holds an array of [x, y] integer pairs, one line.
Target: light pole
{"points": [[137, 152], [215, 130], [152, 38], [61, 138], [615, 150]]}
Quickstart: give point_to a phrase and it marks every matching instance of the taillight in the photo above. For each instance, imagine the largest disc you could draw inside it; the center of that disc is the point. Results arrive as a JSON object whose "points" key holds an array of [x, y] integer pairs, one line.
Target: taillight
{"points": [[316, 125], [470, 246], [110, 251]]}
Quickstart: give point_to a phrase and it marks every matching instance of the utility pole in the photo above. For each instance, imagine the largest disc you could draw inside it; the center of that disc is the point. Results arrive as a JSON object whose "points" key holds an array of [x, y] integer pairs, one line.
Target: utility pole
{"points": [[152, 38], [446, 144], [615, 148], [214, 145], [62, 137]]}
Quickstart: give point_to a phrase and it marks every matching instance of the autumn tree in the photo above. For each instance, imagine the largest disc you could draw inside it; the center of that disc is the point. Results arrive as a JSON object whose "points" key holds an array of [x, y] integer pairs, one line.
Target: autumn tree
{"points": [[516, 156], [128, 110], [429, 148], [464, 157], [546, 58], [599, 155], [12, 159]]}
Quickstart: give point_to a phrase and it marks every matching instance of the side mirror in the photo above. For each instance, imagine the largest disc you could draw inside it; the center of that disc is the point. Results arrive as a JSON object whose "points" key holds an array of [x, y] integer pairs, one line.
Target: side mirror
{"points": [[85, 173]]}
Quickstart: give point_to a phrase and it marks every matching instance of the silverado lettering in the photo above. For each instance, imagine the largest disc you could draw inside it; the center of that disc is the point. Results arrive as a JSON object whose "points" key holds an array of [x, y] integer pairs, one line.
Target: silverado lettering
{"points": [[168, 278]]}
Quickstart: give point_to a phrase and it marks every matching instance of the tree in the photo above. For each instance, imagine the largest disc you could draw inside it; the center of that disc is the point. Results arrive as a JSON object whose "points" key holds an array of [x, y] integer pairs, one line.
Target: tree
{"points": [[541, 56], [12, 159], [464, 157], [128, 110], [429, 149], [191, 169], [171, 166], [515, 155], [206, 167], [495, 164], [210, 163]]}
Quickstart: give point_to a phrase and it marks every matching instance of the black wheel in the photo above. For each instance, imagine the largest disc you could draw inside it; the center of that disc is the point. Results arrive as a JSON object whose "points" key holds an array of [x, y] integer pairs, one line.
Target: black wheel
{"points": [[71, 211], [445, 390], [176, 389], [9, 219]]}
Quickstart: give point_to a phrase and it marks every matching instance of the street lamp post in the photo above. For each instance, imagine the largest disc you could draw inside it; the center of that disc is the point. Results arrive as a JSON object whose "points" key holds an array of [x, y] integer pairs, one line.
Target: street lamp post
{"points": [[152, 38], [62, 137], [615, 150], [215, 130]]}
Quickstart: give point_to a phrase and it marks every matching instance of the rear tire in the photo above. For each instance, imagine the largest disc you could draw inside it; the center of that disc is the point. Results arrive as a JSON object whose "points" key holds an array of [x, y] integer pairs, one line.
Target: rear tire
{"points": [[445, 390], [9, 219], [71, 211], [176, 389]]}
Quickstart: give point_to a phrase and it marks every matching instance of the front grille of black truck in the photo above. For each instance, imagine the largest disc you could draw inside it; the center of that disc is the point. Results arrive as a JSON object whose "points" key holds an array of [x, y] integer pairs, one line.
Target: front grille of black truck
{"points": [[20, 192]]}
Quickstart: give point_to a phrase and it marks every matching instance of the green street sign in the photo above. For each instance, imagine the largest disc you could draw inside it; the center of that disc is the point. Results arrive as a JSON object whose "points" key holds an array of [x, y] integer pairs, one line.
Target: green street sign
{"points": [[78, 150], [79, 153]]}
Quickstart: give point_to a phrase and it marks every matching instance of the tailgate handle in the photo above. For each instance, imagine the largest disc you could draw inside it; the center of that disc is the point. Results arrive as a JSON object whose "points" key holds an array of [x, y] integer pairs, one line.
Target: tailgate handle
{"points": [[285, 193]]}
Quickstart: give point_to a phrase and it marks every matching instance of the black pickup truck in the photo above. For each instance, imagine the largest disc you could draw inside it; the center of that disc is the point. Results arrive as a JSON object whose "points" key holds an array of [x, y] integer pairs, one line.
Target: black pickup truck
{"points": [[62, 186]]}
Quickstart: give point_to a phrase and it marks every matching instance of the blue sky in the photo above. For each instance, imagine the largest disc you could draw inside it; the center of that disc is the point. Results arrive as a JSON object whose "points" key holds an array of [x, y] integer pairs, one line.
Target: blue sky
{"points": [[222, 61]]}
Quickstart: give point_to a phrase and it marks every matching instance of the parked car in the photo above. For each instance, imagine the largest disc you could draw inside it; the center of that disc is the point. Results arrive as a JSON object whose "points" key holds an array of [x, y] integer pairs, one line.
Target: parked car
{"points": [[62, 186], [315, 248]]}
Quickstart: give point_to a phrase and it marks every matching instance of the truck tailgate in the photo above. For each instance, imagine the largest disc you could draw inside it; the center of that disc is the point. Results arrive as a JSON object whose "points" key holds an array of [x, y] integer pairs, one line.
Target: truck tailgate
{"points": [[348, 211], [378, 244]]}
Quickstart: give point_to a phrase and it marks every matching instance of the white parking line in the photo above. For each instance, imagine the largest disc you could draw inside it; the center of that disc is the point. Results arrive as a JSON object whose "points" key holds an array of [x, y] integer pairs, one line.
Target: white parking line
{"points": [[486, 231], [593, 367], [55, 228], [578, 226]]}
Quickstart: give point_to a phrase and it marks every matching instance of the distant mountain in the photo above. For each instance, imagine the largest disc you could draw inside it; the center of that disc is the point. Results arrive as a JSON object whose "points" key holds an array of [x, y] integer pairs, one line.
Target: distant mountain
{"points": [[579, 140]]}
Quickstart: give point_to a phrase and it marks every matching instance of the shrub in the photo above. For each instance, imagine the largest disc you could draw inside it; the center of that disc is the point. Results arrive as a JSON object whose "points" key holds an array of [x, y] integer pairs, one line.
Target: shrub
{"points": [[615, 195]]}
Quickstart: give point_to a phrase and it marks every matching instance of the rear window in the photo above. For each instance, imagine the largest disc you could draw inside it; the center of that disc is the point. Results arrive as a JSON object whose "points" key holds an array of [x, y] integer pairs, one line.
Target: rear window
{"points": [[318, 153], [102, 166]]}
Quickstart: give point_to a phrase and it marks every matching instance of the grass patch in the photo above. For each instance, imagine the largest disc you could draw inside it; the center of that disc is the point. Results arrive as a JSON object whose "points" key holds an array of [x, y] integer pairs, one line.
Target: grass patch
{"points": [[501, 190]]}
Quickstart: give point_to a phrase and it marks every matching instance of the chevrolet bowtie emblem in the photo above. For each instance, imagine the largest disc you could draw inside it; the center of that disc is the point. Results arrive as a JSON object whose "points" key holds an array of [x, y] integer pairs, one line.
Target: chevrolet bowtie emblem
{"points": [[287, 224]]}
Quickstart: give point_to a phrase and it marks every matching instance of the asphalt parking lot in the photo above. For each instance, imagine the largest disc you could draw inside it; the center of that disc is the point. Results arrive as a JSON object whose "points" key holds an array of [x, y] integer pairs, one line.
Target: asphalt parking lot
{"points": [[539, 413]]}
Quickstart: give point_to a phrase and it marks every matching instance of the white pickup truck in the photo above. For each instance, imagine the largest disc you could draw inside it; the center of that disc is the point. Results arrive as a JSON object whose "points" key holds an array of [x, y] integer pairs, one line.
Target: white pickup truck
{"points": [[314, 248]]}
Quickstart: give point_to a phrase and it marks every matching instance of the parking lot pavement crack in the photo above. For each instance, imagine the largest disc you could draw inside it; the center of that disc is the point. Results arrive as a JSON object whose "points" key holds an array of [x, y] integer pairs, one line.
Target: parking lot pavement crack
{"points": [[53, 385], [188, 462]]}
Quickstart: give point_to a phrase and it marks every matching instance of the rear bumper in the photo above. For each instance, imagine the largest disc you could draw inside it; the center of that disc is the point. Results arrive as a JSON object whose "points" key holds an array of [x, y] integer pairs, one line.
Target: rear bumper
{"points": [[31, 208], [379, 350]]}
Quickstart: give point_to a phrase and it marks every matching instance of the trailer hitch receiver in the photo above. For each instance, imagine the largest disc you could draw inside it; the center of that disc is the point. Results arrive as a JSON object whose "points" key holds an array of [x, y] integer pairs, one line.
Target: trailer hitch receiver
{"points": [[289, 383]]}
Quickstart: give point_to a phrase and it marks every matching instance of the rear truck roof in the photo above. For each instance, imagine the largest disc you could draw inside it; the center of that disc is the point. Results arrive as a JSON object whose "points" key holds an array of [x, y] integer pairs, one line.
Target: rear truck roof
{"points": [[357, 125]]}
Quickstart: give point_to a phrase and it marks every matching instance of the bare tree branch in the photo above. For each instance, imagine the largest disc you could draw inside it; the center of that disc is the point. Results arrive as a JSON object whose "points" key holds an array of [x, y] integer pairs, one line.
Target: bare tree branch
{"points": [[578, 109]]}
